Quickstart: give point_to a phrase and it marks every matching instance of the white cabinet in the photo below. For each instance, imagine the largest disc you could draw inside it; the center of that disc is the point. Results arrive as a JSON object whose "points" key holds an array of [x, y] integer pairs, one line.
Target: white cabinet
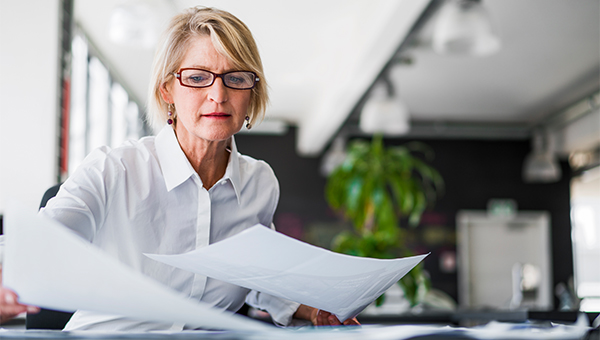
{"points": [[504, 262]]}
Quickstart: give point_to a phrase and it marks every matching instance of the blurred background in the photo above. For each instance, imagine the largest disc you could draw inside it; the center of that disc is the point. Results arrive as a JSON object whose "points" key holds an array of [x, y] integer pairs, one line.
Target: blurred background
{"points": [[504, 94]]}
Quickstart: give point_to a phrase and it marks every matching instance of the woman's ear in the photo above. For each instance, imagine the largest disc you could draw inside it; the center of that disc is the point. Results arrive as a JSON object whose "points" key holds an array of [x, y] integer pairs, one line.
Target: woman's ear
{"points": [[166, 93]]}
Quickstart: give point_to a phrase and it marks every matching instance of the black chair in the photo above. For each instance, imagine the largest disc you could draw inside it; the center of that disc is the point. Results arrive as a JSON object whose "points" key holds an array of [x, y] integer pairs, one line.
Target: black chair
{"points": [[48, 318]]}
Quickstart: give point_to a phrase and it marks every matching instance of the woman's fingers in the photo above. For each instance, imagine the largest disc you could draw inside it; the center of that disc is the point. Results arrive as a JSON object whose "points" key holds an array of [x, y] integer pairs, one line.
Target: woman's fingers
{"points": [[352, 322], [323, 318], [327, 319], [33, 309], [334, 321], [10, 307]]}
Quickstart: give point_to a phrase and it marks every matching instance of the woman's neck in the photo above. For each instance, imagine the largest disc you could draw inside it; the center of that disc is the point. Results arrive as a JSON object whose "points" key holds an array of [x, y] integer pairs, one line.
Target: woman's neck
{"points": [[208, 158]]}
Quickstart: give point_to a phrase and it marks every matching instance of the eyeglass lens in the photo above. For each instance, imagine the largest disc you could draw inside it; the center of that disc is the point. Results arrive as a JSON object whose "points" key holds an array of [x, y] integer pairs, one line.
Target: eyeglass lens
{"points": [[200, 78]]}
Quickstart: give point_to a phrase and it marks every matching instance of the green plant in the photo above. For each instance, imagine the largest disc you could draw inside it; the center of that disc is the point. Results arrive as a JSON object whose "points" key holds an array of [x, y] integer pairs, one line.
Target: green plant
{"points": [[376, 187]]}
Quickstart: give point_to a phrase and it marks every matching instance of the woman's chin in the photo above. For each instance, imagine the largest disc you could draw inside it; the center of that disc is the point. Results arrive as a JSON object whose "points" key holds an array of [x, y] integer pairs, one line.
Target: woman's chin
{"points": [[213, 132]]}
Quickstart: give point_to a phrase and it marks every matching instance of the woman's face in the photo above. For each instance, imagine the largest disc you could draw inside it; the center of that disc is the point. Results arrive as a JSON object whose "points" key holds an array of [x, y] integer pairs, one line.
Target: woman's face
{"points": [[212, 113]]}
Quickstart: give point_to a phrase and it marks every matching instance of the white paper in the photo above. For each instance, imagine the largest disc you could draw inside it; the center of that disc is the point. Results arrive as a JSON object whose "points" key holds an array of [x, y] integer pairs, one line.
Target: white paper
{"points": [[267, 261], [49, 266]]}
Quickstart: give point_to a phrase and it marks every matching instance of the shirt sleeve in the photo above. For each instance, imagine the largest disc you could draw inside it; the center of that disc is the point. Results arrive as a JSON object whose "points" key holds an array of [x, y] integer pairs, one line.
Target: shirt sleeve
{"points": [[81, 202], [281, 310]]}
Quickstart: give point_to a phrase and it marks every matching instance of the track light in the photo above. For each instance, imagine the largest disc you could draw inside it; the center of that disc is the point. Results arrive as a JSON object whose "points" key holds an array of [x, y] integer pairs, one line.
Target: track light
{"points": [[465, 27], [541, 165], [384, 112], [334, 157]]}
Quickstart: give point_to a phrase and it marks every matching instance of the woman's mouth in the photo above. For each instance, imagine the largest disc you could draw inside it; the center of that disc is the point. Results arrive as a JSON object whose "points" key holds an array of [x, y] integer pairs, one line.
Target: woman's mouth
{"points": [[217, 115]]}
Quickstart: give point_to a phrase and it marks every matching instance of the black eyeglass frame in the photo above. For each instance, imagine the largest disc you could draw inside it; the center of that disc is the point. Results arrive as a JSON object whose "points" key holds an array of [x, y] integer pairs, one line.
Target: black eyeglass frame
{"points": [[215, 75]]}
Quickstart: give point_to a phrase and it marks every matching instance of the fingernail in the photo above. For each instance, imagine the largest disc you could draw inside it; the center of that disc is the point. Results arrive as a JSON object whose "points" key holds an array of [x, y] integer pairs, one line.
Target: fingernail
{"points": [[32, 309], [9, 298]]}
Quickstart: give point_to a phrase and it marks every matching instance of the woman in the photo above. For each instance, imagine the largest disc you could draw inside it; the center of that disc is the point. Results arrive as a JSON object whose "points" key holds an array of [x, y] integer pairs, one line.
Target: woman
{"points": [[188, 186]]}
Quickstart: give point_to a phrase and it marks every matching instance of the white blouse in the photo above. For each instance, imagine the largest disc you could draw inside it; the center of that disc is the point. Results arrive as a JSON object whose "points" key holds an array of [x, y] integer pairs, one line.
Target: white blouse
{"points": [[145, 197]]}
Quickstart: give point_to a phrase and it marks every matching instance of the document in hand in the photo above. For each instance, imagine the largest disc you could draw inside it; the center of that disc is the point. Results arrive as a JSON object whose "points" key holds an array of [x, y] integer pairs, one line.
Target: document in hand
{"points": [[267, 261], [49, 266]]}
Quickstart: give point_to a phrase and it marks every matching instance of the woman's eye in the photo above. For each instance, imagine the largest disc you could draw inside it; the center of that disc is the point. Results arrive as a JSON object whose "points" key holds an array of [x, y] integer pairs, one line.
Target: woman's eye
{"points": [[197, 79], [237, 79]]}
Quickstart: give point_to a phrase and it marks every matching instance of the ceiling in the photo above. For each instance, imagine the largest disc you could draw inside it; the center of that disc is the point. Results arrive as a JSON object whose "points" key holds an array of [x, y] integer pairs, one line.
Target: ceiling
{"points": [[322, 56]]}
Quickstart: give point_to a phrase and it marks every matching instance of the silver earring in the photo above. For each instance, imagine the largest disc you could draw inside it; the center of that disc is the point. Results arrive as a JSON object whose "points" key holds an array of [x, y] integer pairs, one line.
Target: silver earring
{"points": [[248, 125]]}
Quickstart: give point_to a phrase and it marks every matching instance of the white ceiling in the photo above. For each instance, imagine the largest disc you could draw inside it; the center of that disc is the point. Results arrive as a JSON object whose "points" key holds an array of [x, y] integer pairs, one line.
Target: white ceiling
{"points": [[320, 56]]}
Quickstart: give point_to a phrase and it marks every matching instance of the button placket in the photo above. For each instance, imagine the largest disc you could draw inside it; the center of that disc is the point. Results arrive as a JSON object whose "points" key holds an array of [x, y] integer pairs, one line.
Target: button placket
{"points": [[203, 219]]}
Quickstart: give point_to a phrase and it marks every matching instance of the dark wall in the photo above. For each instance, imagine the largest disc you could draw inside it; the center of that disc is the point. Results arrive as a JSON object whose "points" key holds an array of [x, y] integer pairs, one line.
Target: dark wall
{"points": [[474, 172], [302, 202], [477, 171]]}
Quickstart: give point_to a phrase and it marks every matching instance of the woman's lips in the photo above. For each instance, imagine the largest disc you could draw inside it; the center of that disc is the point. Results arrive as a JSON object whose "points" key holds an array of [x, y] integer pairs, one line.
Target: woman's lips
{"points": [[217, 115]]}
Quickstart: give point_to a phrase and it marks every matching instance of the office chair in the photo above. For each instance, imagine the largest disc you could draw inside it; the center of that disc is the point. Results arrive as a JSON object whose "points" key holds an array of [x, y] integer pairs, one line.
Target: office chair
{"points": [[48, 318]]}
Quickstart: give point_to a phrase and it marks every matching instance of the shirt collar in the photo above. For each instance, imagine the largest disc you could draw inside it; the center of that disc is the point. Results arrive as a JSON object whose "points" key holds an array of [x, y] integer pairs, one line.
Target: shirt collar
{"points": [[174, 164], [233, 169], [177, 169]]}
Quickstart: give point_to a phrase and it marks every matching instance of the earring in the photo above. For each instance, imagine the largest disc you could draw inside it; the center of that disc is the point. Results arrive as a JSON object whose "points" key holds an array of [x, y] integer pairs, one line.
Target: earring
{"points": [[170, 114], [248, 125]]}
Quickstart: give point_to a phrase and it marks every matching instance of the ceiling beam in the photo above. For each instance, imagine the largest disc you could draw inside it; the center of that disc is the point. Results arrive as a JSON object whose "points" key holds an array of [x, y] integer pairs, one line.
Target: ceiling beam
{"points": [[325, 121]]}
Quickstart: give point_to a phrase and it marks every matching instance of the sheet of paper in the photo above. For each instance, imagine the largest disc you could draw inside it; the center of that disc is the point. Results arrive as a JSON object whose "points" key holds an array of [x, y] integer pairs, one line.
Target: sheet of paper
{"points": [[49, 266], [270, 262]]}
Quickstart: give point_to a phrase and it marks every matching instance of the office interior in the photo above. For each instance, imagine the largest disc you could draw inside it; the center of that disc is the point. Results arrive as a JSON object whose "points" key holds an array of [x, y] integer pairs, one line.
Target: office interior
{"points": [[75, 72]]}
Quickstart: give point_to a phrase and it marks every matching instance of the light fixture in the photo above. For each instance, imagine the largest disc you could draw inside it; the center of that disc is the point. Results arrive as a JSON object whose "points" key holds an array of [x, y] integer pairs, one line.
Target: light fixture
{"points": [[465, 27], [384, 112], [133, 24], [541, 165], [334, 156]]}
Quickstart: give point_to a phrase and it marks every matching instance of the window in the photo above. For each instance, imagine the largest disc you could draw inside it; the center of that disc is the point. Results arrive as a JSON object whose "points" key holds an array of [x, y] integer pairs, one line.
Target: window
{"points": [[585, 216], [101, 110]]}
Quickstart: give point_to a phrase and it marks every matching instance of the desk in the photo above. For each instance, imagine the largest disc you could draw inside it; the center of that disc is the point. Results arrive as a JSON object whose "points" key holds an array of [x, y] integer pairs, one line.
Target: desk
{"points": [[471, 318], [493, 330]]}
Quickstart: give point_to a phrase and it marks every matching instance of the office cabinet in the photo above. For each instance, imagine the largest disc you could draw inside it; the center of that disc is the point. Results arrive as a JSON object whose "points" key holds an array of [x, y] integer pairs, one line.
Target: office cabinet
{"points": [[504, 262]]}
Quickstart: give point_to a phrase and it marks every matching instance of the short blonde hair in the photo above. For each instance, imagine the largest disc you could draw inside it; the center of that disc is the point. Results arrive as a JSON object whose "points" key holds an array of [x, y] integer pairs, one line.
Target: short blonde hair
{"points": [[230, 37]]}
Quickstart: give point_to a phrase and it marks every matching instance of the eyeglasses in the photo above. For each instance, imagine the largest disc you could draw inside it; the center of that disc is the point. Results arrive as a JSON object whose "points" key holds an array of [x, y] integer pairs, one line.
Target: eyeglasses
{"points": [[198, 78]]}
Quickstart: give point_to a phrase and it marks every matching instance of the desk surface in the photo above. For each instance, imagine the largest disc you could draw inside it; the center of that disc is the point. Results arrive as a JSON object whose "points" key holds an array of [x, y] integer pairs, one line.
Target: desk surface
{"points": [[492, 330], [476, 317]]}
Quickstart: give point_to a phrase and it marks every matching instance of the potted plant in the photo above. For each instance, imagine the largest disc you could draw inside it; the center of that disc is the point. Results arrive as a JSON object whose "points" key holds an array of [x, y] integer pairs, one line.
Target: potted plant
{"points": [[377, 187]]}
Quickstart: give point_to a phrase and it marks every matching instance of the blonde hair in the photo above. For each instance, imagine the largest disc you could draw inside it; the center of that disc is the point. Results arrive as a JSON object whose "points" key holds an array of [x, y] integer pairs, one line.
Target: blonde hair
{"points": [[230, 37]]}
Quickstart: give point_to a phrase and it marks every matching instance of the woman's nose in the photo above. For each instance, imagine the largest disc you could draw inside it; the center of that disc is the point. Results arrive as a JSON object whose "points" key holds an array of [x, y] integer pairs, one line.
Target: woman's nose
{"points": [[217, 92]]}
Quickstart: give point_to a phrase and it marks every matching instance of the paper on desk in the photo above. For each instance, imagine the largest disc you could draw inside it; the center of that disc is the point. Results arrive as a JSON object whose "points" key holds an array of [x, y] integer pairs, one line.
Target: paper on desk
{"points": [[267, 261], [47, 265]]}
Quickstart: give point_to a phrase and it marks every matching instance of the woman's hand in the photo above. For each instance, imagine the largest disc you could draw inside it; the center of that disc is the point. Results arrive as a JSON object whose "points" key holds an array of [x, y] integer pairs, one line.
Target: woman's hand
{"points": [[322, 318], [9, 305]]}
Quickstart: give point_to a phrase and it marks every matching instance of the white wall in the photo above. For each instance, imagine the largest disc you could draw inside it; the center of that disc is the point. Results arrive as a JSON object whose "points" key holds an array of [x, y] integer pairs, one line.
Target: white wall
{"points": [[29, 64]]}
